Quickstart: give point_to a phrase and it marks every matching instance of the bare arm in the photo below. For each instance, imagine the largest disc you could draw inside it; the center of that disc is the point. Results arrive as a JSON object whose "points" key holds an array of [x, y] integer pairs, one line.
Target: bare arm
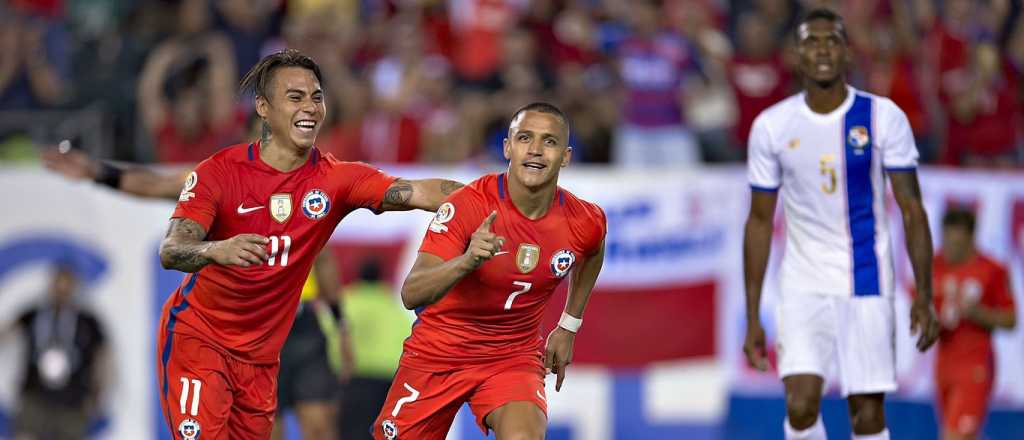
{"points": [[431, 277], [559, 347], [919, 246], [46, 83], [152, 104], [425, 194], [582, 283], [222, 76], [143, 181], [757, 243], [992, 318], [184, 249]]}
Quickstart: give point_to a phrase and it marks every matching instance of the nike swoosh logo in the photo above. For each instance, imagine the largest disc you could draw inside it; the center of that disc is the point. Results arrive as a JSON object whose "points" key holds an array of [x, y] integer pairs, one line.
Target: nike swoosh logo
{"points": [[242, 210], [499, 253]]}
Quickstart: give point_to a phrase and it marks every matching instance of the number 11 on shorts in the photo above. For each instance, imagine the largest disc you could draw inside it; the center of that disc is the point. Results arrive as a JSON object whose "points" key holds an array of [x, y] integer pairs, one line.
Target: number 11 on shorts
{"points": [[196, 387]]}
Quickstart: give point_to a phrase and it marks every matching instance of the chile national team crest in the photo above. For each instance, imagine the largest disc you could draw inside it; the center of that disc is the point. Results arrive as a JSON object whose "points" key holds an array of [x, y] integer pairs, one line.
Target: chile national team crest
{"points": [[189, 429], [315, 204], [858, 139], [390, 430], [562, 262]]}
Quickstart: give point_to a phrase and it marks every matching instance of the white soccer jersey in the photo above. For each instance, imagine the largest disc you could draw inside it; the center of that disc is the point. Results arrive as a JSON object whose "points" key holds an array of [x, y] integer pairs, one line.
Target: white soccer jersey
{"points": [[829, 169]]}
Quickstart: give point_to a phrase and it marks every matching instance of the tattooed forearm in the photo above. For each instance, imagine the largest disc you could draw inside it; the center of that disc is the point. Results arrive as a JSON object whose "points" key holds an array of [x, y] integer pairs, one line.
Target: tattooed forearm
{"points": [[450, 186], [398, 195], [183, 247]]}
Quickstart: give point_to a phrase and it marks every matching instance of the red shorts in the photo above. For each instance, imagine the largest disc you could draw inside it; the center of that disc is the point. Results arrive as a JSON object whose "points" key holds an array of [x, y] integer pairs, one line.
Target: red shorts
{"points": [[422, 405], [963, 400], [210, 395]]}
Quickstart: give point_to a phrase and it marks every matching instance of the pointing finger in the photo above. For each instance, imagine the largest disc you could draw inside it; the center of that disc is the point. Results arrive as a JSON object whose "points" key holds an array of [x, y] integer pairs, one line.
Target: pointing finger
{"points": [[486, 225]]}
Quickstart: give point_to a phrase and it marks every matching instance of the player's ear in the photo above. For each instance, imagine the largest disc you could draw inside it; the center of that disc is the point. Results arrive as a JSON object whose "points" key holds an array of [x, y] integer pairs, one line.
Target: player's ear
{"points": [[262, 106], [506, 148], [566, 156]]}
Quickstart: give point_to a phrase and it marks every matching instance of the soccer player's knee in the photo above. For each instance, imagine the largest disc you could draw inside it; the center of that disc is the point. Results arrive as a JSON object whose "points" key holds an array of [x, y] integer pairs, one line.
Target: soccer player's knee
{"points": [[869, 417], [802, 411]]}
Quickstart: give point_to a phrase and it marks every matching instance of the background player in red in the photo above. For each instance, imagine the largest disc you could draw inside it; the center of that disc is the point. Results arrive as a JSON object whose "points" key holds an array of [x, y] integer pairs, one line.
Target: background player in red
{"points": [[974, 299], [248, 226], [490, 261]]}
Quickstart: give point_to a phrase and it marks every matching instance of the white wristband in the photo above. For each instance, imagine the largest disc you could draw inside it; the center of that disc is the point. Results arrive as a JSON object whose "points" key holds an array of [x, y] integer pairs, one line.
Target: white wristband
{"points": [[570, 323]]}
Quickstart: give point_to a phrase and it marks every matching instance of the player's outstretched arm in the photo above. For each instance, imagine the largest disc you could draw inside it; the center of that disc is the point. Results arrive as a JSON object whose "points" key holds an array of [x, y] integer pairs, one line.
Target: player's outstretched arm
{"points": [[757, 243], [558, 353], [919, 246], [183, 248], [425, 194], [431, 276], [141, 181]]}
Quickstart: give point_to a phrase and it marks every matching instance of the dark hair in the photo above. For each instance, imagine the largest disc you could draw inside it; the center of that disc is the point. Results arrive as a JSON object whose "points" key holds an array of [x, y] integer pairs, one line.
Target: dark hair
{"points": [[959, 217], [543, 107], [257, 80], [822, 14]]}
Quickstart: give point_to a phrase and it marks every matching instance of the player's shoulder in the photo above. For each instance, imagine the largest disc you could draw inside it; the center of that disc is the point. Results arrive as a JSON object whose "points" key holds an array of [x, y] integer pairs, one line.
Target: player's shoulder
{"points": [[485, 189], [580, 208], [233, 153], [780, 112], [990, 264], [882, 104]]}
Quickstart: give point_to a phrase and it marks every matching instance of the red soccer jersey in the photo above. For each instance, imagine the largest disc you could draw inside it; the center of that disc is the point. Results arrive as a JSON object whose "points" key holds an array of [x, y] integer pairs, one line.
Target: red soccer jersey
{"points": [[495, 312], [964, 345], [249, 311]]}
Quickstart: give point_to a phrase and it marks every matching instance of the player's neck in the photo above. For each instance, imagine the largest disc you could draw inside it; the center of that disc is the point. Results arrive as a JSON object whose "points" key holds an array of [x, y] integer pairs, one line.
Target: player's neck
{"points": [[283, 158], [532, 203], [825, 98], [958, 259]]}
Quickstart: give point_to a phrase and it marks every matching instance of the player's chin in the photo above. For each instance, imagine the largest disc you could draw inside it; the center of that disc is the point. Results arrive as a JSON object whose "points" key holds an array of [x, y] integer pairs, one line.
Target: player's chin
{"points": [[533, 179], [304, 140]]}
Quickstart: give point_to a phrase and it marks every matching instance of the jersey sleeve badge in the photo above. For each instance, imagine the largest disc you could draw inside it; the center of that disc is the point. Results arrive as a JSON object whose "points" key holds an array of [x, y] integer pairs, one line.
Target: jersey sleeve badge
{"points": [[190, 184], [444, 214]]}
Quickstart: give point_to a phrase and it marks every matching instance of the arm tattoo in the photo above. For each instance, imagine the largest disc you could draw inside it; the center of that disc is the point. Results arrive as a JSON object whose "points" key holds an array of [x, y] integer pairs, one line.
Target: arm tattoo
{"points": [[183, 247], [398, 194], [450, 186]]}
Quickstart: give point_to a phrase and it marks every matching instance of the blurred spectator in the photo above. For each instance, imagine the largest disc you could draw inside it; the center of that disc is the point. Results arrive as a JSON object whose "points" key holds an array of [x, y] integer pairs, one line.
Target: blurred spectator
{"points": [[478, 26], [757, 73], [247, 23], [655, 65], [378, 324], [187, 90], [34, 61], [64, 365]]}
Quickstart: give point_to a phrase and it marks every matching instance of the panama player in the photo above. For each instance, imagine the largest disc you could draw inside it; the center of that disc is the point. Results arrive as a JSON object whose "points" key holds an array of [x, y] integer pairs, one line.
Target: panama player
{"points": [[249, 223], [829, 150], [489, 263]]}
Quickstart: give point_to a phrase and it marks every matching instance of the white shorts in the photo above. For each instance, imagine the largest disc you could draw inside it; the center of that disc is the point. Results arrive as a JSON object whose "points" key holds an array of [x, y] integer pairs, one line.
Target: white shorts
{"points": [[858, 333]]}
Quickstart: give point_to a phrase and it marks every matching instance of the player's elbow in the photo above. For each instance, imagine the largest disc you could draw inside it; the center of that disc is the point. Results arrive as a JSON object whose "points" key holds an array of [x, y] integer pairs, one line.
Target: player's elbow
{"points": [[409, 299]]}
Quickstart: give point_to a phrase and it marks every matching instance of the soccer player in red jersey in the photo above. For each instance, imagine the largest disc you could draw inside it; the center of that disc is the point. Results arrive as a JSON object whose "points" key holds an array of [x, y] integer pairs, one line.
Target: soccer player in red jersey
{"points": [[248, 226], [974, 299], [489, 263]]}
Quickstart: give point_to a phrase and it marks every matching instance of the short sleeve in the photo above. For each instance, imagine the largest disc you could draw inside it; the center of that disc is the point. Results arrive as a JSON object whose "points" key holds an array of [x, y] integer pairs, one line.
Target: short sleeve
{"points": [[601, 230], [763, 169], [366, 186], [899, 150], [999, 289], [451, 228], [200, 197]]}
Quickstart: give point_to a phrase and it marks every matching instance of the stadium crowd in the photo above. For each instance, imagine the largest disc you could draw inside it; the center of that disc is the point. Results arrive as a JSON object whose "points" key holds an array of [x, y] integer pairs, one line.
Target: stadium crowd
{"points": [[651, 83]]}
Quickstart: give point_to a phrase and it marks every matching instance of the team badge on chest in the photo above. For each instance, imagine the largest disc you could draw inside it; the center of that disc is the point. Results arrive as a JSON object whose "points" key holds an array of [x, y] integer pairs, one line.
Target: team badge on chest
{"points": [[858, 139], [189, 429], [562, 262], [315, 204], [527, 257], [281, 207]]}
